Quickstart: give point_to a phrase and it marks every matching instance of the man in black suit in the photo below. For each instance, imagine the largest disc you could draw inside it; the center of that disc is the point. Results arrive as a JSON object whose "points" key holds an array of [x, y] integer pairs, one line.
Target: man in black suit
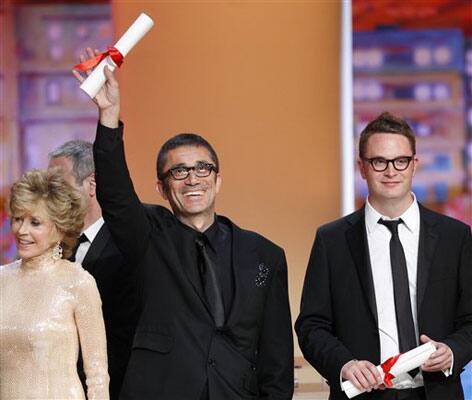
{"points": [[98, 254], [387, 278], [216, 320]]}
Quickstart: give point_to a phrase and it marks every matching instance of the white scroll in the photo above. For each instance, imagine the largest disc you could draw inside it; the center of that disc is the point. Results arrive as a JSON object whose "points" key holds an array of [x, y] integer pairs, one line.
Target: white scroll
{"points": [[406, 362], [131, 37]]}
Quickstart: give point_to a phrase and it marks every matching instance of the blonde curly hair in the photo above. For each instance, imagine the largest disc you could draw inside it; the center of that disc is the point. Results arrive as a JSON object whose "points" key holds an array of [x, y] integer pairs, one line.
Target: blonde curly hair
{"points": [[64, 205]]}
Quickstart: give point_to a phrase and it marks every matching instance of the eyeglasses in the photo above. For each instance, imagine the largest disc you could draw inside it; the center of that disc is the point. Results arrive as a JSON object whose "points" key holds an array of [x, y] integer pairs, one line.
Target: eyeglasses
{"points": [[380, 164], [201, 169]]}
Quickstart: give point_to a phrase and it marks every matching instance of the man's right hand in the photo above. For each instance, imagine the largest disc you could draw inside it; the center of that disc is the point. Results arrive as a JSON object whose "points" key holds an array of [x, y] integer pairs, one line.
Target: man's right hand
{"points": [[363, 375], [108, 98]]}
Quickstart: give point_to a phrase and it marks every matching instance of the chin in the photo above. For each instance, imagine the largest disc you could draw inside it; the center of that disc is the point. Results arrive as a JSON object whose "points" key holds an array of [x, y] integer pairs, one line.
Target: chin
{"points": [[25, 255]]}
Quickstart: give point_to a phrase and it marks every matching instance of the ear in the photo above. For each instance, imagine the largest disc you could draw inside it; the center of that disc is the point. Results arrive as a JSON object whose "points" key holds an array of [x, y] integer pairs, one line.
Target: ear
{"points": [[415, 165], [92, 183], [218, 182], [161, 188], [361, 165], [56, 236]]}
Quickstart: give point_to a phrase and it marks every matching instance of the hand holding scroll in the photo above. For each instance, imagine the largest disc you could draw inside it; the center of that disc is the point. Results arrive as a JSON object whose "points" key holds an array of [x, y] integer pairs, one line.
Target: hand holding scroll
{"points": [[440, 360], [108, 97], [363, 375]]}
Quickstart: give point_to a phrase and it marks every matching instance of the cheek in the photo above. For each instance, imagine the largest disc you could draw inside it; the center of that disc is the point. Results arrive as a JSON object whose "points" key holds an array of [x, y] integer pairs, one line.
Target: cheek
{"points": [[14, 226], [49, 235]]}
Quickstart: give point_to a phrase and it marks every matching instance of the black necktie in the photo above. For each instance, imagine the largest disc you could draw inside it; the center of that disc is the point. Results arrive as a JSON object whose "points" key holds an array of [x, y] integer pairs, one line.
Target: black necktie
{"points": [[211, 286], [82, 239], [401, 291]]}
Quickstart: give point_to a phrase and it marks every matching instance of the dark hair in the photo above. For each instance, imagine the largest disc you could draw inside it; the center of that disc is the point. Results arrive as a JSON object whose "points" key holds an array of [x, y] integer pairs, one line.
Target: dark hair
{"points": [[183, 139], [386, 123], [81, 154]]}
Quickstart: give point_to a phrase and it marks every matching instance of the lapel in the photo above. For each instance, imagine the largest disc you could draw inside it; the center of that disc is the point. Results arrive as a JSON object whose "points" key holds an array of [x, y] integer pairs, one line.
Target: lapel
{"points": [[427, 245], [356, 237], [96, 247], [244, 261]]}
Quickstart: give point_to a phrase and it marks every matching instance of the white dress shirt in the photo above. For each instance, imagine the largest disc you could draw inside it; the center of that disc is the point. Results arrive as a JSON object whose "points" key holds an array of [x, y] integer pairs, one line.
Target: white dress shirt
{"points": [[90, 233], [378, 238]]}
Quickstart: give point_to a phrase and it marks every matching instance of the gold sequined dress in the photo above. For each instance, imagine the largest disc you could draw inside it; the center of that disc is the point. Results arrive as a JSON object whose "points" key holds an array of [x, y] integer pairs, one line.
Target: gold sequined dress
{"points": [[48, 307]]}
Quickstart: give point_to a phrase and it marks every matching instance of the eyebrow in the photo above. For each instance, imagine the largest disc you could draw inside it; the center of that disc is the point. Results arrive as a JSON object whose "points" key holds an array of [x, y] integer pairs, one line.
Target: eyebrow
{"points": [[385, 158], [188, 166]]}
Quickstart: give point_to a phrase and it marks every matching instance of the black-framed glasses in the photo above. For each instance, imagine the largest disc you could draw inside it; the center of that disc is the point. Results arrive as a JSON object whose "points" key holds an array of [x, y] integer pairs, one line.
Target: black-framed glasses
{"points": [[201, 169], [380, 164]]}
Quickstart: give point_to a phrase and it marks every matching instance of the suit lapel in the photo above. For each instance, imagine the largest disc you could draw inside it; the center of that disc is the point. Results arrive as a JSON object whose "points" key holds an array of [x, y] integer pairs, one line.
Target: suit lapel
{"points": [[357, 241], [243, 263], [427, 246], [96, 247]]}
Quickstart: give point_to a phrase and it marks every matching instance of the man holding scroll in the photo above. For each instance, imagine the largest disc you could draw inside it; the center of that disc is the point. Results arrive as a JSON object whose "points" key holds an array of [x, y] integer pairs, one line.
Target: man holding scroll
{"points": [[387, 278], [216, 319]]}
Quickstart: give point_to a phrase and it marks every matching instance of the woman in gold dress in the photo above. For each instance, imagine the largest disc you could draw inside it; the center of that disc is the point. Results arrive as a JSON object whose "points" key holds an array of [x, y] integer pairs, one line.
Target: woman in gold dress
{"points": [[48, 305]]}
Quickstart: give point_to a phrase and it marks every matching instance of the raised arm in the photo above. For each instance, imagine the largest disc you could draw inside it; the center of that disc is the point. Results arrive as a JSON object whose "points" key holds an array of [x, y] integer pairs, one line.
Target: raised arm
{"points": [[91, 328], [121, 208]]}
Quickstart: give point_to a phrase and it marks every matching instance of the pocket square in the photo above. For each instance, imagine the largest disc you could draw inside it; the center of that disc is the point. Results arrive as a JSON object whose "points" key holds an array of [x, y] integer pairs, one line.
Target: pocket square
{"points": [[262, 275]]}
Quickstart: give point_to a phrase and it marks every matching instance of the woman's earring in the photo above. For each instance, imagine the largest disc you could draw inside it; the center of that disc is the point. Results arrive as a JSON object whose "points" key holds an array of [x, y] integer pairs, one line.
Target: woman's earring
{"points": [[57, 252]]}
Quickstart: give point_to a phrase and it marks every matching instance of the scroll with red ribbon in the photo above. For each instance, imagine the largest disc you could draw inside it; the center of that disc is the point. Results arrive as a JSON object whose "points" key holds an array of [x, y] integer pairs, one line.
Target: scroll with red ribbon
{"points": [[91, 63], [395, 366], [114, 56], [387, 367]]}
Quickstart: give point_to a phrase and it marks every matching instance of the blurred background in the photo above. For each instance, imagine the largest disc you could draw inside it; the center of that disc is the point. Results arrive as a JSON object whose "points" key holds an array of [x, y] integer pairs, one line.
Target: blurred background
{"points": [[261, 80]]}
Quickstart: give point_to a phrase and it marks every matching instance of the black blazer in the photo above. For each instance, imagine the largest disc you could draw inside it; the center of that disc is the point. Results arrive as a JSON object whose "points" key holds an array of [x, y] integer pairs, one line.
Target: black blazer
{"points": [[338, 317], [117, 284], [176, 348]]}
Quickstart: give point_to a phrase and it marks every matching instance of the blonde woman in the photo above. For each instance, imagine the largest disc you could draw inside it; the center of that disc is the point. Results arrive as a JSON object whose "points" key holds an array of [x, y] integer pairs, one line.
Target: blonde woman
{"points": [[48, 305]]}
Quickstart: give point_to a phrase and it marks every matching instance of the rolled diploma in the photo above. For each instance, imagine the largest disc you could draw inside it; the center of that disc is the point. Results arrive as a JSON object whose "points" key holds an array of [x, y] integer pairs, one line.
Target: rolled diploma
{"points": [[130, 38], [406, 362]]}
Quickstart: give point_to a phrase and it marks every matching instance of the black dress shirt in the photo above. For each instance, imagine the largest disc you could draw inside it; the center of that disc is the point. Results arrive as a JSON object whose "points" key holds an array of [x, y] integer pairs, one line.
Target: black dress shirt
{"points": [[219, 238]]}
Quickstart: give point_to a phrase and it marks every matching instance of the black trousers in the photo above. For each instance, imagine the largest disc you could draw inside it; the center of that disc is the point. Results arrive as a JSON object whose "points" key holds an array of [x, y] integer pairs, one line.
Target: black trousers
{"points": [[404, 394]]}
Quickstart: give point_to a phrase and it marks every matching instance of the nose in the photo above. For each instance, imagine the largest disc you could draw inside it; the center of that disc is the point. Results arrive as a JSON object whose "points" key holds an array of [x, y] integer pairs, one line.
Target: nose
{"points": [[390, 171], [192, 178]]}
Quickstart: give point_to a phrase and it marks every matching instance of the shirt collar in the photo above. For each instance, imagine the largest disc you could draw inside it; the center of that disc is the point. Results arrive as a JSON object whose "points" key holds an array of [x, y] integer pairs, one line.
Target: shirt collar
{"points": [[411, 216], [93, 229], [212, 233]]}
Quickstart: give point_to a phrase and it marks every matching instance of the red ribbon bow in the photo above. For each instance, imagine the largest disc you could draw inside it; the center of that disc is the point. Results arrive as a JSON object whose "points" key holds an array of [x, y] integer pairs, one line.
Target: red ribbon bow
{"points": [[387, 366], [114, 54]]}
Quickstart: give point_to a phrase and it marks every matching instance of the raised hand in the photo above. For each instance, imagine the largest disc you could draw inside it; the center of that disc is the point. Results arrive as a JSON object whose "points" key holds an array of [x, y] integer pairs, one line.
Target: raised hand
{"points": [[108, 98]]}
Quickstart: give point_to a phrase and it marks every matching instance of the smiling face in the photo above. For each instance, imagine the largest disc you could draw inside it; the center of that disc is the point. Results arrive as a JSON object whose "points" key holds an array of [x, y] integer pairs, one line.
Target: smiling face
{"points": [[390, 187], [34, 232], [192, 199]]}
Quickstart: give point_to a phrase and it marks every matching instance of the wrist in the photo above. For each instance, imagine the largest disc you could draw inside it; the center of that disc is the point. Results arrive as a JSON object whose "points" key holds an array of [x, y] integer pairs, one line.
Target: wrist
{"points": [[110, 118]]}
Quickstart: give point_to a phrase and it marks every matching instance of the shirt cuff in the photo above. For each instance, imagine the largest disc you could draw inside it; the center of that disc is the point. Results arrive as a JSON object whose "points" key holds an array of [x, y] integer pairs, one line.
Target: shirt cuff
{"points": [[448, 372]]}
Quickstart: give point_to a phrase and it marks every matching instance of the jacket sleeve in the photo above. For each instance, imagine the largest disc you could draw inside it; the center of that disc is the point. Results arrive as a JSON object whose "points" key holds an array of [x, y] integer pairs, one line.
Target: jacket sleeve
{"points": [[460, 341], [91, 328], [275, 353], [314, 326], [121, 208]]}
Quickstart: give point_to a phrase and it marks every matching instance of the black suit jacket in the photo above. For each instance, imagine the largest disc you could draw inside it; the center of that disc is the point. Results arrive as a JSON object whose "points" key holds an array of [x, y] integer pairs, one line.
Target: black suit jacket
{"points": [[177, 350], [117, 284], [338, 317]]}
